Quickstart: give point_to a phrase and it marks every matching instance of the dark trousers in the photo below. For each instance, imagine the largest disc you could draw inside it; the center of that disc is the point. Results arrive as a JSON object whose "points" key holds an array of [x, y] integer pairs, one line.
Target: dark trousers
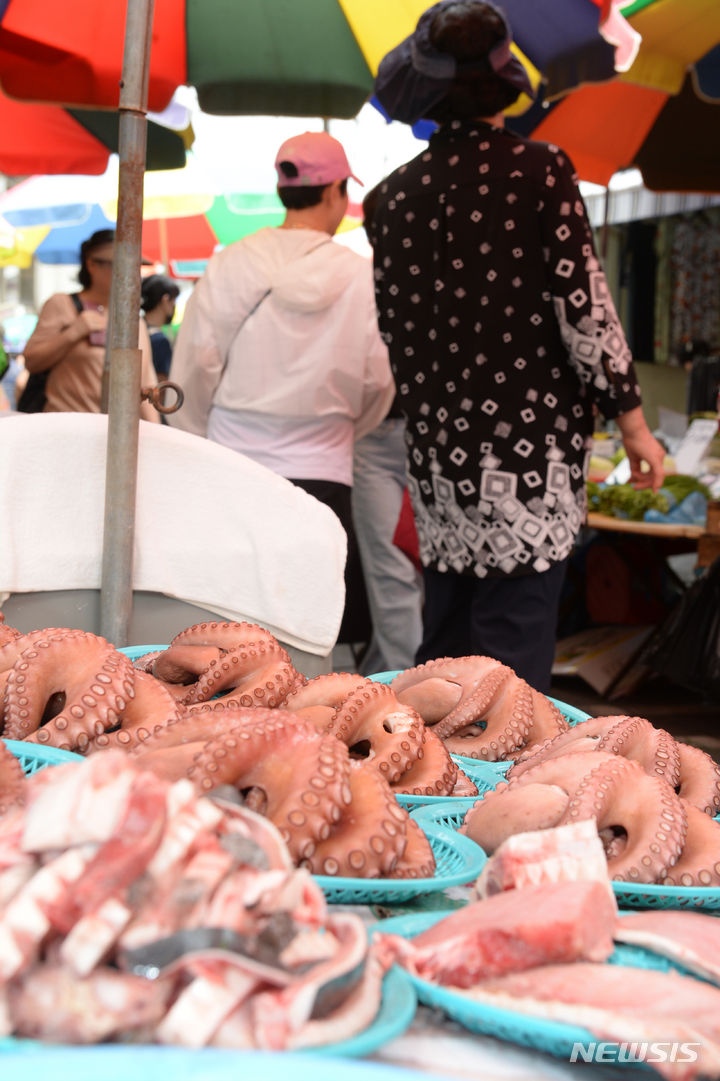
{"points": [[511, 619], [356, 625]]}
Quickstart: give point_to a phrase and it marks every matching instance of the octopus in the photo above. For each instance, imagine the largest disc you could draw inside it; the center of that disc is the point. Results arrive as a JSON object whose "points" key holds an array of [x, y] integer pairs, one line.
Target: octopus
{"points": [[479, 707], [641, 811], [65, 688], [651, 798]]}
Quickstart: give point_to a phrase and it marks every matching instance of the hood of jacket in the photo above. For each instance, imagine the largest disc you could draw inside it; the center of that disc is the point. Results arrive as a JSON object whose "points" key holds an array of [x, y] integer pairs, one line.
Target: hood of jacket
{"points": [[305, 269]]}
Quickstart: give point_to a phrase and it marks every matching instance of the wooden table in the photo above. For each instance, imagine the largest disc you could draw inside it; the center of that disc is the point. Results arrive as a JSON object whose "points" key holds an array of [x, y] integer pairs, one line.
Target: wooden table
{"points": [[706, 538]]}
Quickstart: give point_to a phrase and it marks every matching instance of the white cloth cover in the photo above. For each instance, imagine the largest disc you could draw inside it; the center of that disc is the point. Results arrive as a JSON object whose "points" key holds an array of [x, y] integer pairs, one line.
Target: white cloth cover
{"points": [[212, 528]]}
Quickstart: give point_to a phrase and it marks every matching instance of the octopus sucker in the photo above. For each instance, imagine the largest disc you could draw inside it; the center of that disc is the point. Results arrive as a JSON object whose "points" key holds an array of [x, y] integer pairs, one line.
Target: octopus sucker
{"points": [[699, 779], [621, 797], [433, 773], [65, 665], [369, 837], [150, 705], [377, 728], [699, 862]]}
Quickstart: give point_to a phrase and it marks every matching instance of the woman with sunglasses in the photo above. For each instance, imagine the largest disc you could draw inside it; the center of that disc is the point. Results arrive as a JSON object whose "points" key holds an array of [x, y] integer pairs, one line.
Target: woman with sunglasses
{"points": [[68, 342]]}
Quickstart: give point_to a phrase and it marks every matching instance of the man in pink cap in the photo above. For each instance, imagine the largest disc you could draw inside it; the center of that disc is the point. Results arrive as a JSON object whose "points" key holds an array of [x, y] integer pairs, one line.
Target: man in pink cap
{"points": [[279, 353]]}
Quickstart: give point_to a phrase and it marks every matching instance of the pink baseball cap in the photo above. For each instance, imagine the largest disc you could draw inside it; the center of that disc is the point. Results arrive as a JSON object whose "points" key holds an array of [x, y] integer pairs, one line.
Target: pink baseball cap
{"points": [[318, 158]]}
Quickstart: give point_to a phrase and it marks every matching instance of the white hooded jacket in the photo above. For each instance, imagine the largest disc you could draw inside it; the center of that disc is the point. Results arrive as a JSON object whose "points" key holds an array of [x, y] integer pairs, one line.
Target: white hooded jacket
{"points": [[307, 372]]}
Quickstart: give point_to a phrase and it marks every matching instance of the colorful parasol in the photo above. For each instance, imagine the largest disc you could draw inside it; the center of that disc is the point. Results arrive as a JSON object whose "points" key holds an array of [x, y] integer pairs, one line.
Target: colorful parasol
{"points": [[659, 115], [38, 138], [315, 58]]}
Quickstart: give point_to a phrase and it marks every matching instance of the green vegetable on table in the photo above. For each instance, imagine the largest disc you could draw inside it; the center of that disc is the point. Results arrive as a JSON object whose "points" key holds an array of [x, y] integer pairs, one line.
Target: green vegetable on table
{"points": [[624, 501]]}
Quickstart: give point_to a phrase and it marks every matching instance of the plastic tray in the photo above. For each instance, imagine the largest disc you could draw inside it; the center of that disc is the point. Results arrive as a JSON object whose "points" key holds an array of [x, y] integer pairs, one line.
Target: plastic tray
{"points": [[628, 895], [458, 861], [34, 757], [555, 1037], [397, 1009], [133, 652], [117, 1063]]}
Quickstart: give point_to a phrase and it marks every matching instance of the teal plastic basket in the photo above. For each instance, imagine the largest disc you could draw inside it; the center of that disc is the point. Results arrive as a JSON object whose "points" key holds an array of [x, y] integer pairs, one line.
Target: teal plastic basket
{"points": [[33, 757], [396, 1012], [627, 894], [458, 861], [554, 1037], [135, 652]]}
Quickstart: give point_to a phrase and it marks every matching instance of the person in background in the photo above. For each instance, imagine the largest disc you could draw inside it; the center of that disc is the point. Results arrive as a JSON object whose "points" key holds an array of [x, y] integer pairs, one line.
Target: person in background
{"points": [[69, 340], [159, 294], [279, 354], [503, 337], [394, 586]]}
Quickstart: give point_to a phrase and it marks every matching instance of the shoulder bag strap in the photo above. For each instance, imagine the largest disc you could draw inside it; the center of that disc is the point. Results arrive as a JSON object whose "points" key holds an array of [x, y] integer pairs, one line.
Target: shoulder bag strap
{"points": [[75, 297]]}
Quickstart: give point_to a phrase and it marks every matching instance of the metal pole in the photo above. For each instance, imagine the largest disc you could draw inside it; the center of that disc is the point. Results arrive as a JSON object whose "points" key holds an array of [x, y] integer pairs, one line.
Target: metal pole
{"points": [[123, 359]]}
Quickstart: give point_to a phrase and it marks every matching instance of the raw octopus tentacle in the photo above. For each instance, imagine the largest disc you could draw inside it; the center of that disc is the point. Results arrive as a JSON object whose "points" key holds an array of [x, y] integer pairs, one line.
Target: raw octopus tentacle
{"points": [[501, 726], [699, 779], [370, 836], [304, 775], [457, 686], [464, 787], [13, 649], [376, 727], [93, 680], [318, 699], [547, 722], [225, 635], [653, 748], [514, 809], [418, 859], [151, 708], [12, 780], [580, 737], [256, 675], [620, 795], [183, 663], [699, 861], [433, 773]]}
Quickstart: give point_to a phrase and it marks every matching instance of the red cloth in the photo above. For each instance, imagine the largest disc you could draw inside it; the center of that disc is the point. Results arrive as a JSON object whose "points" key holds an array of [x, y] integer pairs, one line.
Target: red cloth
{"points": [[405, 536]]}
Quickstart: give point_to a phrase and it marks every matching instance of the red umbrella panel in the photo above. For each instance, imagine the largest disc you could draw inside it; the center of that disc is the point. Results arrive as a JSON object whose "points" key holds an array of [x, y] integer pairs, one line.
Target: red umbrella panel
{"points": [[37, 139]]}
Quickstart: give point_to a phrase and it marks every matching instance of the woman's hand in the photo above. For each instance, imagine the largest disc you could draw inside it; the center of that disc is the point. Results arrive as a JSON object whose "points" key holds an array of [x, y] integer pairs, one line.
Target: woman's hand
{"points": [[89, 321], [641, 446]]}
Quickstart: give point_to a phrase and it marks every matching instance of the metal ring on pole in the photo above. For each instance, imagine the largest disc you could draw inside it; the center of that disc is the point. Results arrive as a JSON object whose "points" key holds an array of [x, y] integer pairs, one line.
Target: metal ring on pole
{"points": [[156, 397]]}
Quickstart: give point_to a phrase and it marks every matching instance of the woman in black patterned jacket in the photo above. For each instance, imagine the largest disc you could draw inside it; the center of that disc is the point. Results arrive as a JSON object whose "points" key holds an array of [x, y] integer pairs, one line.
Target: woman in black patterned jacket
{"points": [[503, 340]]}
